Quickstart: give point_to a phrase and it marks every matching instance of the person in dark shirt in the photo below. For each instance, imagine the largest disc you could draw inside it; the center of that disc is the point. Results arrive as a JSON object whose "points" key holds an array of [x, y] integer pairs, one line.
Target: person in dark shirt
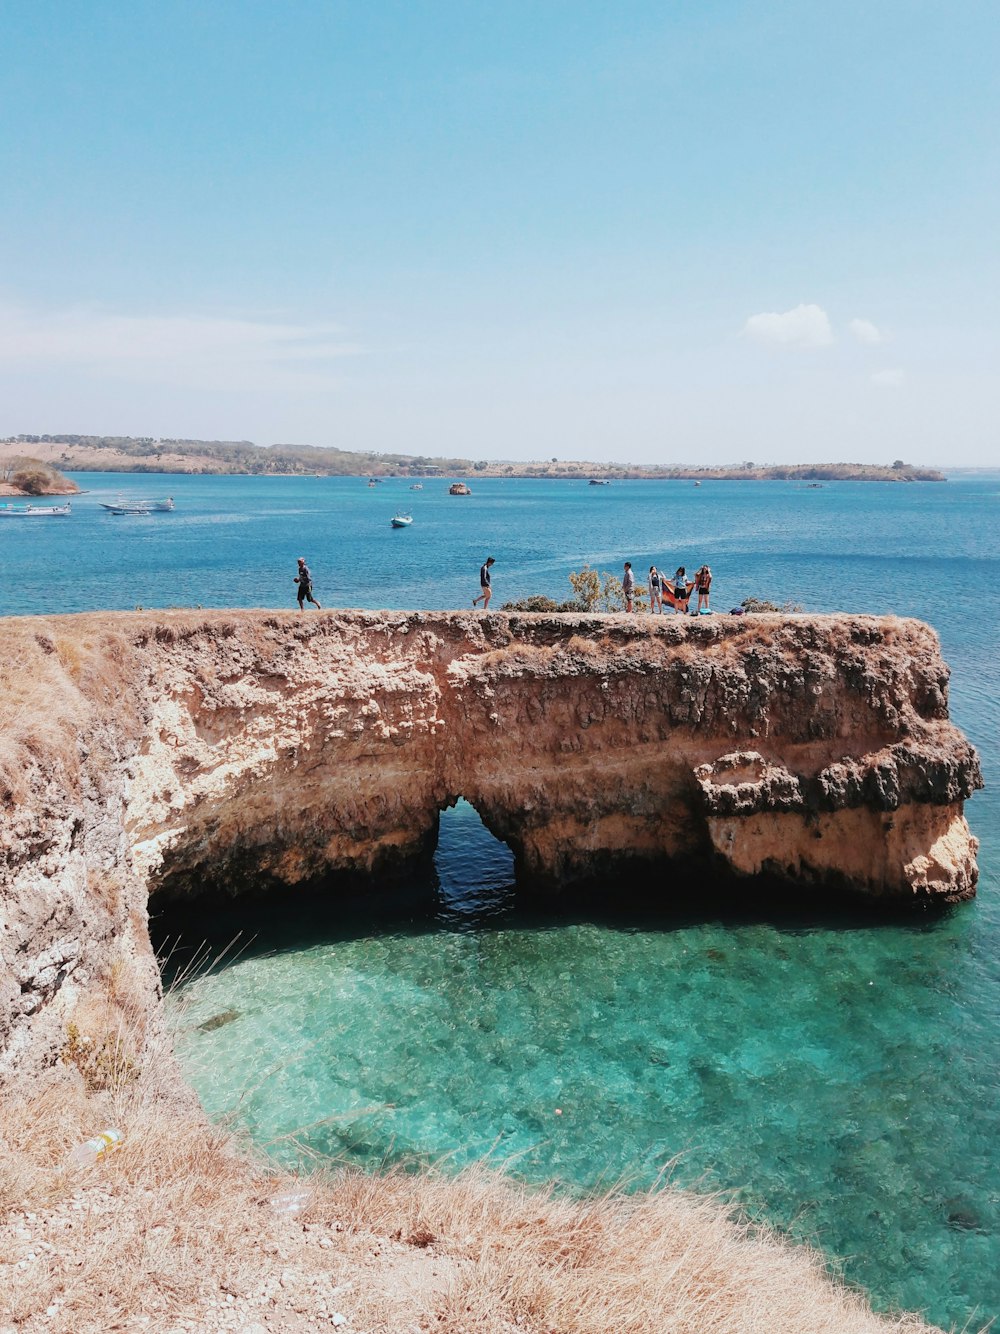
{"points": [[485, 584], [305, 583], [703, 583]]}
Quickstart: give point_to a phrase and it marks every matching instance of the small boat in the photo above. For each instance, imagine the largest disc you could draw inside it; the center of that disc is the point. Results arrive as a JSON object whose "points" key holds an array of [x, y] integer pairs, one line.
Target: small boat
{"points": [[401, 520], [459, 489], [34, 511], [599, 481], [417, 486], [139, 505], [127, 507]]}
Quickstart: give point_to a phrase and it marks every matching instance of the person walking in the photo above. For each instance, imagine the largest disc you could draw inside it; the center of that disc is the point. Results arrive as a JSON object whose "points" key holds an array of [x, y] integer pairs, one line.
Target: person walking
{"points": [[628, 585], [703, 583], [305, 583], [485, 583], [655, 593]]}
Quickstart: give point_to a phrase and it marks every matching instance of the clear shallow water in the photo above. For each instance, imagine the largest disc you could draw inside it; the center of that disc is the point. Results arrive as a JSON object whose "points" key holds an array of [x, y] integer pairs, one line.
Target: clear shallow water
{"points": [[841, 1074]]}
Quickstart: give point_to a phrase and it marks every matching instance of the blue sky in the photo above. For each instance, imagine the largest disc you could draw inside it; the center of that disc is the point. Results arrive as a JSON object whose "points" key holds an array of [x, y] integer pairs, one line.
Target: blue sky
{"points": [[662, 232]]}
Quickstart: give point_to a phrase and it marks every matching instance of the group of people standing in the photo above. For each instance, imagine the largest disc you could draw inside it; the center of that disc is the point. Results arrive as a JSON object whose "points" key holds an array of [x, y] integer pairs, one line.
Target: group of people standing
{"points": [[675, 592]]}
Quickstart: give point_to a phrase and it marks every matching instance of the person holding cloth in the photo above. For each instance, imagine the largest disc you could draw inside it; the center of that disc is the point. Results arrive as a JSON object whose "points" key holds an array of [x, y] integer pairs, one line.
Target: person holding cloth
{"points": [[682, 590]]}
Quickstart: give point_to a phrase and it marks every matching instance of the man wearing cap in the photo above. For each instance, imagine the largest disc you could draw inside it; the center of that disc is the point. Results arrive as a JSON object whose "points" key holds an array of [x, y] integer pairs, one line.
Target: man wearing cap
{"points": [[305, 583]]}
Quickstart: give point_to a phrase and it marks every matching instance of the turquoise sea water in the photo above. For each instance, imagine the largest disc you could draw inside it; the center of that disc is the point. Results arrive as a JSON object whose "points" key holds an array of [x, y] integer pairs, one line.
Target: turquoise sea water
{"points": [[839, 1073]]}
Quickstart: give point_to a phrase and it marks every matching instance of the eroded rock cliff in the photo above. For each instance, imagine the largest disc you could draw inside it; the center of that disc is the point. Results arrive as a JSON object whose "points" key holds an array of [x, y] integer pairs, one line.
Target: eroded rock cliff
{"points": [[168, 752]]}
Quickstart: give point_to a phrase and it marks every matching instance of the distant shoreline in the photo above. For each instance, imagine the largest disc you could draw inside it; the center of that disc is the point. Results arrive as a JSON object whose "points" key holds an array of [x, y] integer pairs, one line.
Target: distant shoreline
{"points": [[243, 458]]}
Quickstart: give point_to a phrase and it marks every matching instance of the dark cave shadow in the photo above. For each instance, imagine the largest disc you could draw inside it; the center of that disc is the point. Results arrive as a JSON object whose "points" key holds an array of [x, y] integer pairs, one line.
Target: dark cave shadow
{"points": [[328, 911]]}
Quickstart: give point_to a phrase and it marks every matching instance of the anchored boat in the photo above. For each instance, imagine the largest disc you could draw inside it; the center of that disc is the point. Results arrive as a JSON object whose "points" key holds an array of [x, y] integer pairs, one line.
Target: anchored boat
{"points": [[138, 506], [401, 520], [9, 511]]}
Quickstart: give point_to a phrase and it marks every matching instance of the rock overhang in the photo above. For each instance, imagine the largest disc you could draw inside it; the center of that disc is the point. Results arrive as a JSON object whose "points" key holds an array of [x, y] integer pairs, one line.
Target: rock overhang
{"points": [[156, 753]]}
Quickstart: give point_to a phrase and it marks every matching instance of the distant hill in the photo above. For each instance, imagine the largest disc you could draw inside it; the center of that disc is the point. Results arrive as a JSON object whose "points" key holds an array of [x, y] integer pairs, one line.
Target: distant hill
{"points": [[99, 453]]}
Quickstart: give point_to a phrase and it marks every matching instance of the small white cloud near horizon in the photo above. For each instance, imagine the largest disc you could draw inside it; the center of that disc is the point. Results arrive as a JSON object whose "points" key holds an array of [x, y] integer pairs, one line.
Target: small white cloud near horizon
{"points": [[866, 332], [804, 325], [196, 351], [892, 378]]}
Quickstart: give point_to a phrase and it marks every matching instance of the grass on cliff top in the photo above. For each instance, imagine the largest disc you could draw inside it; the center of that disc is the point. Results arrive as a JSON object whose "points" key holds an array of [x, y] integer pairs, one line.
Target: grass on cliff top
{"points": [[52, 671], [180, 1221]]}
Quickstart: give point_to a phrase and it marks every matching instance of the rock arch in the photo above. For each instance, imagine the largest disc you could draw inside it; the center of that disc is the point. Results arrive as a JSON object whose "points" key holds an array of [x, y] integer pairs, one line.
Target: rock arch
{"points": [[159, 752]]}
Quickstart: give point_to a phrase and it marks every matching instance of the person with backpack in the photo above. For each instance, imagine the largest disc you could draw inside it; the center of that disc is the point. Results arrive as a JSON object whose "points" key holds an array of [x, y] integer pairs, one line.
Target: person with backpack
{"points": [[703, 583], [655, 596]]}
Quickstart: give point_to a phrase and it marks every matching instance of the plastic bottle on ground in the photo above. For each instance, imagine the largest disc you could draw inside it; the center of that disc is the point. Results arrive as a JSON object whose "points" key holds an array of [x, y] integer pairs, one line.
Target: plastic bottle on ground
{"points": [[85, 1155]]}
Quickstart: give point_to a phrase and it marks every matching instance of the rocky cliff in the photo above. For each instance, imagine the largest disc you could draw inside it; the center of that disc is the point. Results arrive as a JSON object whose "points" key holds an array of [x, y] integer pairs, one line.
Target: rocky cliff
{"points": [[172, 753]]}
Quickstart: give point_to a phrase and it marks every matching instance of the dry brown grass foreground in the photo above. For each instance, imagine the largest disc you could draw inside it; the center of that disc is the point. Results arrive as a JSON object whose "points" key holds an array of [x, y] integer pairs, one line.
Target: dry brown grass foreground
{"points": [[182, 1229]]}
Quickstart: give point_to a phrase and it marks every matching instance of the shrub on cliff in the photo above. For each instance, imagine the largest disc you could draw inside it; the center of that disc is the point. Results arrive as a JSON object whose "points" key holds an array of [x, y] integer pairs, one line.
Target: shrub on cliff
{"points": [[602, 591], [34, 478], [32, 481], [538, 602], [593, 590], [753, 604]]}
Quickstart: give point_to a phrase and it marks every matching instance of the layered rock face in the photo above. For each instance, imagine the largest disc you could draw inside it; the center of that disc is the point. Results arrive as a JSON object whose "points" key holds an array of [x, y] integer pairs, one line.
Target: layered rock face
{"points": [[168, 753]]}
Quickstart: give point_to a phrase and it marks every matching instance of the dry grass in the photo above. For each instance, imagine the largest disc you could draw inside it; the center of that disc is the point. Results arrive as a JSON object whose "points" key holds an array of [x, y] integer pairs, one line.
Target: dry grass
{"points": [[154, 1230], [181, 1220], [53, 683], [639, 1264]]}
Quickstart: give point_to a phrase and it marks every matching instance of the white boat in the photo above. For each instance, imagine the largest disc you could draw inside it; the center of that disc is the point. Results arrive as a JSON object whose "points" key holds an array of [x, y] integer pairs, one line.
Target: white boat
{"points": [[9, 511], [417, 486], [140, 505], [401, 520], [127, 507]]}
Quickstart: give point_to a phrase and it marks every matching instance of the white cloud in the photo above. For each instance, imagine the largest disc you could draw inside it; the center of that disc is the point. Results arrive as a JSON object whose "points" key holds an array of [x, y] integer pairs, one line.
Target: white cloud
{"points": [[889, 379], [866, 332], [806, 325], [198, 351]]}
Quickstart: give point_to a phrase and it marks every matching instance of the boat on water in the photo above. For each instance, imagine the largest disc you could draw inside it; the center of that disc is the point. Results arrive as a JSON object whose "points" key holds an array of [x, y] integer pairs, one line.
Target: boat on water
{"points": [[8, 511], [127, 507], [401, 520], [599, 481], [417, 486], [138, 506]]}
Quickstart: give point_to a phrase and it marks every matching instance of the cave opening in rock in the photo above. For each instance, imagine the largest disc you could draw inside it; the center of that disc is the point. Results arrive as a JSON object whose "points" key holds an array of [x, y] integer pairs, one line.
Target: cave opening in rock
{"points": [[474, 870], [466, 880]]}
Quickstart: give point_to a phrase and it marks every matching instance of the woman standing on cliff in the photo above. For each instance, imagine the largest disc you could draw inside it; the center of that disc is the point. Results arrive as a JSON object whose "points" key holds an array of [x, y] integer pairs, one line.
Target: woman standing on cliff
{"points": [[681, 590], [655, 583], [703, 583]]}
